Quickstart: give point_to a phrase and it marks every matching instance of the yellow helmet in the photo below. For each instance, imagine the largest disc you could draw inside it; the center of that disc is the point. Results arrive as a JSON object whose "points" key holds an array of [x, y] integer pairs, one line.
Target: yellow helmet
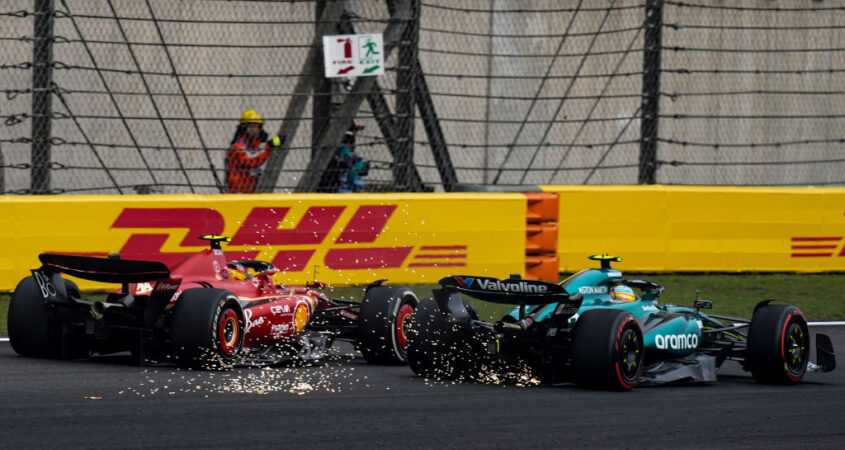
{"points": [[251, 116]]}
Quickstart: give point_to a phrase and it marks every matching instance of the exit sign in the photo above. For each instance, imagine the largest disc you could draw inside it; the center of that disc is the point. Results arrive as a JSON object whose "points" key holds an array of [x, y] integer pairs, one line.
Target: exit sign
{"points": [[353, 55]]}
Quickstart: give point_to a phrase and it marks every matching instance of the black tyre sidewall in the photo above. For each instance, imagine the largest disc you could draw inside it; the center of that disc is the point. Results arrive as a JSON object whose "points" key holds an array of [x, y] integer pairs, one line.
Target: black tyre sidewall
{"points": [[194, 329], [377, 324], [428, 349], [31, 330], [594, 349], [765, 342]]}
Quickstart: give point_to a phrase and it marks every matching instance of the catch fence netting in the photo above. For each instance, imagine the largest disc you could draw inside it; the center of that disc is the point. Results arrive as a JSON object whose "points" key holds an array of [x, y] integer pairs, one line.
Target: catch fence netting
{"points": [[144, 96], [753, 93]]}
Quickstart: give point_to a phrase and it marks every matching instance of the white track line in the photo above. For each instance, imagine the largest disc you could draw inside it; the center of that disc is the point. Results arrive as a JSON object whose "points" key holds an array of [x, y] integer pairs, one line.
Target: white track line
{"points": [[812, 324]]}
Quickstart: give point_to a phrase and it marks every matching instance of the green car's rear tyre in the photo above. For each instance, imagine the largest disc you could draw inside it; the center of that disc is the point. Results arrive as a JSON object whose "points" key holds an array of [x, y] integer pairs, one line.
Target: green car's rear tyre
{"points": [[607, 350], [778, 345], [430, 352]]}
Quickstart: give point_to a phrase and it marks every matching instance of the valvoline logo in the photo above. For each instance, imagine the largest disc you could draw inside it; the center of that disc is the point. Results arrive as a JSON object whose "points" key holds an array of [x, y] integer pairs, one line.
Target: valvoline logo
{"points": [[464, 282], [507, 286]]}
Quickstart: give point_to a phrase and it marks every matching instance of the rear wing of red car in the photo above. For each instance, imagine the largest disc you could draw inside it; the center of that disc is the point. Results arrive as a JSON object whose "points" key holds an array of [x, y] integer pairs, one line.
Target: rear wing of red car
{"points": [[105, 270]]}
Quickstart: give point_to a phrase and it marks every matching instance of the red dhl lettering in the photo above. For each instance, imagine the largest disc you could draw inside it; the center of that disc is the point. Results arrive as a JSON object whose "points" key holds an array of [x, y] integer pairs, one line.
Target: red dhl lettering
{"points": [[816, 246], [262, 228]]}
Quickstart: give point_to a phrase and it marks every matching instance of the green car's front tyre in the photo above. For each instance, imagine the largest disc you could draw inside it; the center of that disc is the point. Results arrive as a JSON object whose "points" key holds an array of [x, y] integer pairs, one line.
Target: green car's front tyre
{"points": [[607, 350], [778, 345]]}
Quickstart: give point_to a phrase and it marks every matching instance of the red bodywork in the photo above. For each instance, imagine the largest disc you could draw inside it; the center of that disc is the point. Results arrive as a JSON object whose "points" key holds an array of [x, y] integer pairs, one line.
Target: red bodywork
{"points": [[272, 312]]}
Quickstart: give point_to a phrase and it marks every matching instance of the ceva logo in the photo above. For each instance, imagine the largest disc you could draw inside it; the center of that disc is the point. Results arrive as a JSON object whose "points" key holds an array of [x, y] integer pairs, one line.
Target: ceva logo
{"points": [[261, 227]]}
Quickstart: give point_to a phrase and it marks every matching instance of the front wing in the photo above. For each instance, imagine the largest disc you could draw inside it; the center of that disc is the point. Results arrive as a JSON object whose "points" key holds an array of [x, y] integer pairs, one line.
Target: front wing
{"points": [[694, 369]]}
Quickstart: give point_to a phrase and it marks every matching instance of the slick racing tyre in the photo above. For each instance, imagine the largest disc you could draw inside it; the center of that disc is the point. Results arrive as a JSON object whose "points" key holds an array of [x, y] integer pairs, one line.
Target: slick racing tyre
{"points": [[778, 345], [429, 349], [207, 329], [607, 350], [32, 332], [383, 321]]}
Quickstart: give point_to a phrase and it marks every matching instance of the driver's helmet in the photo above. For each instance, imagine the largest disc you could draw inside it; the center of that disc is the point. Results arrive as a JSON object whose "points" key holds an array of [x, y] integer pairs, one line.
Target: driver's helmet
{"points": [[238, 271], [622, 293]]}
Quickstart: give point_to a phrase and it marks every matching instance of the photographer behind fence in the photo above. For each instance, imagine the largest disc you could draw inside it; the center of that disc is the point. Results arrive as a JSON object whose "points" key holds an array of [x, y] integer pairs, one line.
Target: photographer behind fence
{"points": [[248, 152], [346, 168]]}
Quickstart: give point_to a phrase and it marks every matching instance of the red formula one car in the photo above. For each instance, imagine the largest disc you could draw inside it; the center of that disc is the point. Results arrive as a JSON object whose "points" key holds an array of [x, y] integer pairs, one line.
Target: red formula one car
{"points": [[202, 312]]}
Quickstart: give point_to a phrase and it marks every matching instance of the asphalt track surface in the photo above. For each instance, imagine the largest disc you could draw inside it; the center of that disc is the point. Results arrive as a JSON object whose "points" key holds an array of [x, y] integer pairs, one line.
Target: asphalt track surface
{"points": [[345, 403]]}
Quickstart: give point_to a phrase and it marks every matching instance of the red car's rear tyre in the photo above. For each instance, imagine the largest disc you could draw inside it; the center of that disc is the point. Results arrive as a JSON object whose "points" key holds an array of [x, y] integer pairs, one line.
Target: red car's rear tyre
{"points": [[207, 329], [383, 321], [607, 350], [778, 345], [31, 330]]}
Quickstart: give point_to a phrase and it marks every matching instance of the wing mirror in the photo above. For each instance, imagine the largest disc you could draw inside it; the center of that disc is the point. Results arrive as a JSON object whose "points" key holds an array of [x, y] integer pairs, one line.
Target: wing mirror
{"points": [[700, 303]]}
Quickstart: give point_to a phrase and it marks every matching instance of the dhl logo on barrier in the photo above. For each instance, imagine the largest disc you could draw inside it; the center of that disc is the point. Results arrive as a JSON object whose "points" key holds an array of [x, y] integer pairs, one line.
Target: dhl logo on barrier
{"points": [[343, 239], [816, 246], [261, 228]]}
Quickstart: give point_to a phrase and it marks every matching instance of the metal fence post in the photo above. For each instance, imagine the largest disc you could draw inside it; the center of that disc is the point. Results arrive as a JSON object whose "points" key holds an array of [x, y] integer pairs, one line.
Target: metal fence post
{"points": [[321, 107], [42, 95], [2, 173], [406, 75], [363, 85], [296, 107], [651, 91]]}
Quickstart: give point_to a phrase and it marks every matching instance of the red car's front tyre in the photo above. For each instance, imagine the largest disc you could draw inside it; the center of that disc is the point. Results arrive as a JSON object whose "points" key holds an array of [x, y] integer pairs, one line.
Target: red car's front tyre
{"points": [[383, 323]]}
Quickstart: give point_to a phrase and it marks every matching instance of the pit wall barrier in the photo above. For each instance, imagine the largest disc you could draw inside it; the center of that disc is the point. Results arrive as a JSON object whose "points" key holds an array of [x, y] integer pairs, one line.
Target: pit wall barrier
{"points": [[702, 229], [337, 239]]}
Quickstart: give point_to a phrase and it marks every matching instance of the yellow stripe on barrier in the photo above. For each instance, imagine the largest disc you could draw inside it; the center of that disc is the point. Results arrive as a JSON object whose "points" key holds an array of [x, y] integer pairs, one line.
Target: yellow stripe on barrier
{"points": [[684, 228]]}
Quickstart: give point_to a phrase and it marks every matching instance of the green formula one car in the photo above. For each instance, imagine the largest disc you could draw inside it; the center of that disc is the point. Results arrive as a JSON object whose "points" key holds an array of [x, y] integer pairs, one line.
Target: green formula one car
{"points": [[594, 330]]}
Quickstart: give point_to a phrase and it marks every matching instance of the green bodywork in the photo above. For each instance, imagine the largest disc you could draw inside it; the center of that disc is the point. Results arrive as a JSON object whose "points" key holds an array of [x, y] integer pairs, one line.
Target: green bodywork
{"points": [[667, 329]]}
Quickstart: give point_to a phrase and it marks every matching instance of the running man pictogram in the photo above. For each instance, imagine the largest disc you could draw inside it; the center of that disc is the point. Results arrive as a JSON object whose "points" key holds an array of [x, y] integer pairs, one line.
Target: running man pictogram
{"points": [[371, 48]]}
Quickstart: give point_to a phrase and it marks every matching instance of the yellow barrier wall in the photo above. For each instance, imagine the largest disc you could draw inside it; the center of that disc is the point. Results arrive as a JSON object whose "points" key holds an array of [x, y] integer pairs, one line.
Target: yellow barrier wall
{"points": [[674, 228], [343, 239], [415, 238]]}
